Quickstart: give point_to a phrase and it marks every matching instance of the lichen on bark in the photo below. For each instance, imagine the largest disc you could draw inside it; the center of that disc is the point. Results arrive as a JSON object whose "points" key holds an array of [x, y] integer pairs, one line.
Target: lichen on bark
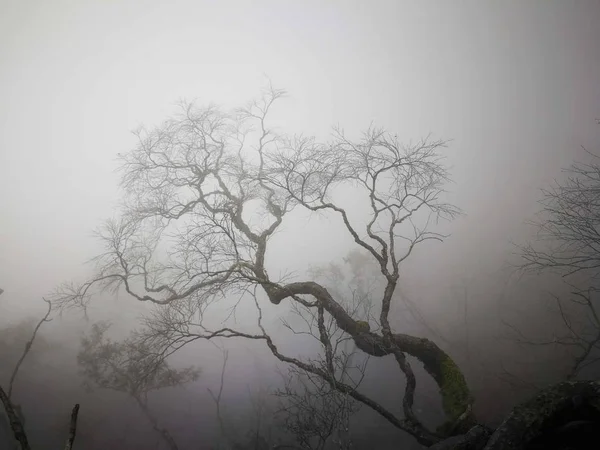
{"points": [[456, 397], [454, 390], [362, 326]]}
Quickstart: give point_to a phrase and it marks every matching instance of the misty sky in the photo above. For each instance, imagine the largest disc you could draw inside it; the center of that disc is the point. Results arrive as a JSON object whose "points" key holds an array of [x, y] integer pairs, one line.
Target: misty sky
{"points": [[514, 84]]}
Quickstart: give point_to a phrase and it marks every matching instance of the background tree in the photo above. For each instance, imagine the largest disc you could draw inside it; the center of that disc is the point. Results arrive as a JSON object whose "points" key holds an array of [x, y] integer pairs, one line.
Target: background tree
{"points": [[131, 366], [14, 421], [315, 413], [568, 237], [568, 244], [255, 431]]}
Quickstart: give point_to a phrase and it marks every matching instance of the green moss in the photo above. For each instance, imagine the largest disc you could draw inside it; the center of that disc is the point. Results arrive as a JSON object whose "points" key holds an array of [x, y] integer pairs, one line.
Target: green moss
{"points": [[362, 326], [455, 394]]}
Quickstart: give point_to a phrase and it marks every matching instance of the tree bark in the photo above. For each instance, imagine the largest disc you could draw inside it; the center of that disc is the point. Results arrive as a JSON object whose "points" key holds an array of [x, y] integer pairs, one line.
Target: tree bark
{"points": [[15, 422], [456, 396]]}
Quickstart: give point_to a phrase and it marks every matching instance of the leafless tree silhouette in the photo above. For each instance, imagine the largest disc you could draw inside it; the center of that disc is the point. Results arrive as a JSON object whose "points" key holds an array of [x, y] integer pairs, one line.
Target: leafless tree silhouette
{"points": [[131, 367], [206, 191], [14, 413], [568, 243]]}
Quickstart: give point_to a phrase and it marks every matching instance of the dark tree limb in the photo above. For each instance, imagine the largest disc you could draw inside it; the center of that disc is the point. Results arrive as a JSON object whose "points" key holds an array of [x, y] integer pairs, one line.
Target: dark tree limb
{"points": [[14, 416], [28, 348], [72, 427], [164, 433], [15, 422]]}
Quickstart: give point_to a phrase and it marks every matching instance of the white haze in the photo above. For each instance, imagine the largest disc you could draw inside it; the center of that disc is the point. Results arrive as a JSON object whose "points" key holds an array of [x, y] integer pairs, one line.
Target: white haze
{"points": [[514, 85]]}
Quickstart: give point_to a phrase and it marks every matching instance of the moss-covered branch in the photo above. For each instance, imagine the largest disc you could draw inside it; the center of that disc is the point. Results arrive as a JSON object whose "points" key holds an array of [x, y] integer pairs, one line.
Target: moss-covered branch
{"points": [[456, 396]]}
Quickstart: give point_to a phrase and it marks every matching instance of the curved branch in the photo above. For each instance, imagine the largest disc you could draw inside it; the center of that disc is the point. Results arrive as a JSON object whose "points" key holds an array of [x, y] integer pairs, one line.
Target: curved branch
{"points": [[455, 393]]}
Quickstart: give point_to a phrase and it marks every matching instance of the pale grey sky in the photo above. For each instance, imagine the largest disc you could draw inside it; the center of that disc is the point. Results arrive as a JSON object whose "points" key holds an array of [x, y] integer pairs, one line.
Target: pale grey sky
{"points": [[515, 84]]}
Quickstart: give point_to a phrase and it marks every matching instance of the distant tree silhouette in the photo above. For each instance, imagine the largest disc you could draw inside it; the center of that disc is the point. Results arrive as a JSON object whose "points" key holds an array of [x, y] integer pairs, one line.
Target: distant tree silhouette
{"points": [[568, 243], [14, 414], [132, 367]]}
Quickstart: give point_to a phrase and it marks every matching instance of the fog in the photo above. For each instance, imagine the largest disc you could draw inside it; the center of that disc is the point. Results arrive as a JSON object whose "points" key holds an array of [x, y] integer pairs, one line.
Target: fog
{"points": [[513, 86]]}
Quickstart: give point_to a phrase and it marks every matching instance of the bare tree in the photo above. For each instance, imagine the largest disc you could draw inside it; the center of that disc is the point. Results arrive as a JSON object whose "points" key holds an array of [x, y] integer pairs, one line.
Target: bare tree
{"points": [[568, 225], [568, 243], [132, 367], [184, 237], [235, 435], [14, 412], [189, 237], [315, 413]]}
